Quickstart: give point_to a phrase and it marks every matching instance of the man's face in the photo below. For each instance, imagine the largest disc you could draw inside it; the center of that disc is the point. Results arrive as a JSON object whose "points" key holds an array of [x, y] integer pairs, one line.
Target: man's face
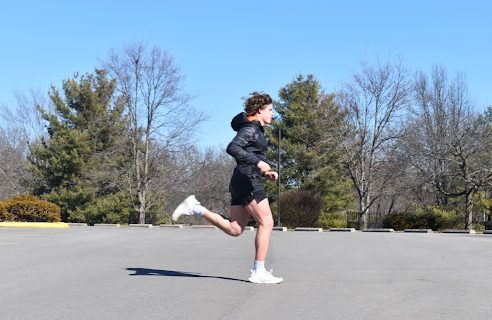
{"points": [[265, 115]]}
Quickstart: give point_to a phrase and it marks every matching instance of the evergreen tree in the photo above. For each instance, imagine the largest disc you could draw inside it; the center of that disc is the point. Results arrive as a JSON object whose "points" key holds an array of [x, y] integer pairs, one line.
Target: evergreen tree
{"points": [[74, 162], [310, 160]]}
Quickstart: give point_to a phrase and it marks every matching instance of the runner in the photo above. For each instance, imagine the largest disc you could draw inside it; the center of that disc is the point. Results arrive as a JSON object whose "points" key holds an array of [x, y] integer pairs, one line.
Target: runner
{"points": [[247, 194]]}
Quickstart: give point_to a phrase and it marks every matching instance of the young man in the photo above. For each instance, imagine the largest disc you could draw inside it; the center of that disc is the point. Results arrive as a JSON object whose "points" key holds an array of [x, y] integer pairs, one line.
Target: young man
{"points": [[248, 195]]}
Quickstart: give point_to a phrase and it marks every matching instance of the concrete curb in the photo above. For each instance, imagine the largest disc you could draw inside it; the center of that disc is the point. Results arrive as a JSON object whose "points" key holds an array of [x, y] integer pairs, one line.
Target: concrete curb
{"points": [[459, 231], [379, 230], [249, 228], [280, 229], [77, 224], [57, 225], [140, 225], [342, 230], [419, 230], [113, 225], [487, 232], [203, 226], [309, 229], [177, 226]]}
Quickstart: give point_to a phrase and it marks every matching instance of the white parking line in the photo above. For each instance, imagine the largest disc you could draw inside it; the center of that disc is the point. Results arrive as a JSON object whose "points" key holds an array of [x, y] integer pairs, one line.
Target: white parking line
{"points": [[26, 238]]}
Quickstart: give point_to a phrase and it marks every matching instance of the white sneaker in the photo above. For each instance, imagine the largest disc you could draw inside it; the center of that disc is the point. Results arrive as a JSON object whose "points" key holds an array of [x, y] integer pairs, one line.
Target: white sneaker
{"points": [[264, 277], [185, 207]]}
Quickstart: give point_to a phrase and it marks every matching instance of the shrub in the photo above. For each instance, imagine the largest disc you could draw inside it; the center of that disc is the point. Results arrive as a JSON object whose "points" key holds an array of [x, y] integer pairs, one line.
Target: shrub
{"points": [[401, 221], [5, 215], [27, 208], [430, 217], [440, 218], [300, 209], [111, 208], [70, 200], [478, 227], [333, 220]]}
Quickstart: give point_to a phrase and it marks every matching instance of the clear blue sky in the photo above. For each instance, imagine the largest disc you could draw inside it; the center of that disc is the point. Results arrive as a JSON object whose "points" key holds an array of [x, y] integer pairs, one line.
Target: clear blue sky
{"points": [[227, 49]]}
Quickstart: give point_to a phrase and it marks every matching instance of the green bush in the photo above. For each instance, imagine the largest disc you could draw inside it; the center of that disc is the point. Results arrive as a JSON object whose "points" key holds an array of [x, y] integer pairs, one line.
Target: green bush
{"points": [[333, 220], [27, 208], [158, 215], [478, 227], [112, 208], [402, 221], [432, 217], [70, 200]]}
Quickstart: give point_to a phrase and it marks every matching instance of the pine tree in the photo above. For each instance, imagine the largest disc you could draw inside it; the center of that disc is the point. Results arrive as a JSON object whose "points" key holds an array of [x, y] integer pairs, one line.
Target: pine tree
{"points": [[84, 142], [310, 160]]}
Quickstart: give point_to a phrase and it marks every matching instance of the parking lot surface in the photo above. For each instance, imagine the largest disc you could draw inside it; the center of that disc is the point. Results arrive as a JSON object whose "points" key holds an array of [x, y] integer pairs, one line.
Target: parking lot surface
{"points": [[159, 273]]}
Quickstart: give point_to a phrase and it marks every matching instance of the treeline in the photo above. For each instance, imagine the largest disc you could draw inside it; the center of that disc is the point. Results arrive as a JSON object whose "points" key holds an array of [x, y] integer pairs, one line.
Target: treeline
{"points": [[116, 145], [389, 149], [112, 146]]}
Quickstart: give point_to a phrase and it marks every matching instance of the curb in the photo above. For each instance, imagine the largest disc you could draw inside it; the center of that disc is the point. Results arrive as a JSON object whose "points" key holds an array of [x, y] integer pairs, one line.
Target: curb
{"points": [[114, 225], [77, 224], [279, 229], [419, 230], [139, 225], [249, 228], [203, 226], [487, 232], [177, 226], [379, 230], [309, 229], [459, 231], [342, 230], [56, 225]]}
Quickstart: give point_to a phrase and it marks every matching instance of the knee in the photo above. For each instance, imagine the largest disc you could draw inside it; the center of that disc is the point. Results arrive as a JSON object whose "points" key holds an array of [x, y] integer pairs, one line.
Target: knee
{"points": [[235, 232], [266, 222]]}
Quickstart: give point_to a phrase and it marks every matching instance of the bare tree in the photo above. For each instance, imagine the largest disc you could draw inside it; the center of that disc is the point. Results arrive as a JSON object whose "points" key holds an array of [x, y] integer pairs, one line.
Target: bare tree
{"points": [[160, 119], [374, 99], [12, 162], [205, 174], [20, 125], [24, 117], [397, 197], [454, 141], [211, 179]]}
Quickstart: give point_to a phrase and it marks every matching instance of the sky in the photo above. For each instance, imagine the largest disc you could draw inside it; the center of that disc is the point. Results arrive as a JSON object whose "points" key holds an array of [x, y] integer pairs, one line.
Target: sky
{"points": [[226, 49]]}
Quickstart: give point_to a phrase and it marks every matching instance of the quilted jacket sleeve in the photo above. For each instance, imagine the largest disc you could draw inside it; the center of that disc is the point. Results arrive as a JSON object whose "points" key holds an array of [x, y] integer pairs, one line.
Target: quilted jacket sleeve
{"points": [[237, 147]]}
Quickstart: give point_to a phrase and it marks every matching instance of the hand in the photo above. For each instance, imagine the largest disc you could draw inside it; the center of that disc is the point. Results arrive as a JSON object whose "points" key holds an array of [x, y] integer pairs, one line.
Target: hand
{"points": [[264, 167], [271, 175]]}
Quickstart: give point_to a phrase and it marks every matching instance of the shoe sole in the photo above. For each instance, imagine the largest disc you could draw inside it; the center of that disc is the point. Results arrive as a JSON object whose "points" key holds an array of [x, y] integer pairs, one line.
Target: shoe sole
{"points": [[265, 282]]}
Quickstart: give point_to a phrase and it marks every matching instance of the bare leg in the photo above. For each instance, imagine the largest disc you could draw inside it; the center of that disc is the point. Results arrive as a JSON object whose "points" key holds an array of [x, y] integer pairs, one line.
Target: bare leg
{"points": [[263, 215], [238, 220]]}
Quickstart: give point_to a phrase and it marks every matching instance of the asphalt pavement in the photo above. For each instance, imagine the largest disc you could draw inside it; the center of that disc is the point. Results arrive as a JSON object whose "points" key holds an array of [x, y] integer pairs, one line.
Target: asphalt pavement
{"points": [[160, 273]]}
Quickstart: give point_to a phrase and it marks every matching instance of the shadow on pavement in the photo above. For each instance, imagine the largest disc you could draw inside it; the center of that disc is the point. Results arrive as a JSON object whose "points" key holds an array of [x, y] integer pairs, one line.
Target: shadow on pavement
{"points": [[170, 273]]}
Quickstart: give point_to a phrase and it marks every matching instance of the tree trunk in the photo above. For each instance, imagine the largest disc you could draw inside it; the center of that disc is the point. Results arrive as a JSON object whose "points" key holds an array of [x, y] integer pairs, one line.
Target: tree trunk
{"points": [[141, 207], [363, 213], [469, 209], [142, 194]]}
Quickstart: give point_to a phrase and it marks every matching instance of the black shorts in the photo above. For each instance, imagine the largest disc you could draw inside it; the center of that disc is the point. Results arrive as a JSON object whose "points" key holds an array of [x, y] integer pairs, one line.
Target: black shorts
{"points": [[246, 186]]}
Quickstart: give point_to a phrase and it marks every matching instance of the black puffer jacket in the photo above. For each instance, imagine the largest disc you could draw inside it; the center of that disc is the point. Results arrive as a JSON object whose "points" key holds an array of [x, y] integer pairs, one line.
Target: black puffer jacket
{"points": [[250, 144]]}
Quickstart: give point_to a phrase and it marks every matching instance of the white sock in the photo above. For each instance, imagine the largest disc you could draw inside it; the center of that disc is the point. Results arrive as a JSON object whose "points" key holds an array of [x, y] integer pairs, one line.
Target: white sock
{"points": [[258, 266], [198, 209]]}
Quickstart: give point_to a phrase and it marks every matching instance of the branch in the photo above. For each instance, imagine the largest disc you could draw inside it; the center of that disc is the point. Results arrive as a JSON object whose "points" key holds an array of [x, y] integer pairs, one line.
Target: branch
{"points": [[9, 180]]}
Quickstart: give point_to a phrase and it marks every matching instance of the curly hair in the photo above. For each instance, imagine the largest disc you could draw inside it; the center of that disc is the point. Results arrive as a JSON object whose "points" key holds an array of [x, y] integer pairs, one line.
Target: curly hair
{"points": [[255, 101]]}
